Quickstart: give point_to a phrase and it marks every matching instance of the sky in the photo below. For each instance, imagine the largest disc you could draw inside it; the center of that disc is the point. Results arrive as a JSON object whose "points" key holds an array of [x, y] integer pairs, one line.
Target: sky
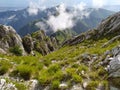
{"points": [[49, 3]]}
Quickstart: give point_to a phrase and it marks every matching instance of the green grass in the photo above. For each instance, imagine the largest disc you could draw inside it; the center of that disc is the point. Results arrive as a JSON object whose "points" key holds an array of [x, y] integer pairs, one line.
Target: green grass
{"points": [[4, 66], [67, 67], [16, 50]]}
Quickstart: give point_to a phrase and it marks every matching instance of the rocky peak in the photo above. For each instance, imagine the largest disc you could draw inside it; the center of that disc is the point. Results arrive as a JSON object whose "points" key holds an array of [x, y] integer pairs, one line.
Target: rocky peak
{"points": [[110, 27], [9, 39], [40, 42]]}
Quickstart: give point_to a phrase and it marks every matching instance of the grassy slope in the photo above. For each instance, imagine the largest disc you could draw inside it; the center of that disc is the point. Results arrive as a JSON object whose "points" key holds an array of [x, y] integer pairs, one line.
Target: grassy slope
{"points": [[65, 64]]}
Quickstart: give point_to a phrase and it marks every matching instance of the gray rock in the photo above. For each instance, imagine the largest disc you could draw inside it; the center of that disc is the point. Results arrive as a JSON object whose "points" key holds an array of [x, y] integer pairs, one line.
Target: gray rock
{"points": [[9, 38], [6, 86], [114, 68]]}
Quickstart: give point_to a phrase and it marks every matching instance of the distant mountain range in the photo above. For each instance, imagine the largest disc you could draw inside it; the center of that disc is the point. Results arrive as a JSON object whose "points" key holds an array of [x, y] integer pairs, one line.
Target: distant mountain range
{"points": [[81, 25], [3, 9], [115, 8], [25, 23]]}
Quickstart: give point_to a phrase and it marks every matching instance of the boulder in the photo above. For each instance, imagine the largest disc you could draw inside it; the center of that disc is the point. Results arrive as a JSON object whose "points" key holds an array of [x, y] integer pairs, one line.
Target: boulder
{"points": [[9, 38], [6, 86], [40, 42]]}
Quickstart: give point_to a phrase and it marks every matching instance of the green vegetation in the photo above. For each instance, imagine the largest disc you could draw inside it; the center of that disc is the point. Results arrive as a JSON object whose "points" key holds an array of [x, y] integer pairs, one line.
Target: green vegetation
{"points": [[71, 64], [23, 71], [20, 86], [16, 50], [55, 85], [92, 85], [4, 66]]}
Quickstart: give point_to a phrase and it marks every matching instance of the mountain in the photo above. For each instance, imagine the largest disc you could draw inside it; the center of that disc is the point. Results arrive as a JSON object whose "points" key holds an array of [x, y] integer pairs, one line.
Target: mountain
{"points": [[3, 9], [25, 23], [80, 25], [63, 35], [17, 19], [11, 42], [115, 8], [89, 61]]}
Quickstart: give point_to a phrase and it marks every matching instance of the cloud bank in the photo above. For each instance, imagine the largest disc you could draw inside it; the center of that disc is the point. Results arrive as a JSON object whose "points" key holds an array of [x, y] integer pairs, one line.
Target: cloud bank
{"points": [[62, 21], [33, 8]]}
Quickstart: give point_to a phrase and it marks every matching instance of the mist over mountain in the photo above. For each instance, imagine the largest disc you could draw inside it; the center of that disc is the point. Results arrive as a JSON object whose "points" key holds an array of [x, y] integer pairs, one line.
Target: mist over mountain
{"points": [[78, 25], [78, 18], [115, 8]]}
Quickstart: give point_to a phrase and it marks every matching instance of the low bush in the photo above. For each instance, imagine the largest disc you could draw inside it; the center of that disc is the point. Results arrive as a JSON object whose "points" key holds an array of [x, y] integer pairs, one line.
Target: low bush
{"points": [[16, 50], [20, 86], [92, 85], [22, 71], [4, 67], [94, 75], [77, 78], [55, 85]]}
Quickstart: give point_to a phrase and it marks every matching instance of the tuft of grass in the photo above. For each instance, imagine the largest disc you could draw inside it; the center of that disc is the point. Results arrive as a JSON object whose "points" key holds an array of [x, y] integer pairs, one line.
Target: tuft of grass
{"points": [[4, 67], [55, 85], [20, 86], [77, 78], [16, 50], [92, 85], [22, 71]]}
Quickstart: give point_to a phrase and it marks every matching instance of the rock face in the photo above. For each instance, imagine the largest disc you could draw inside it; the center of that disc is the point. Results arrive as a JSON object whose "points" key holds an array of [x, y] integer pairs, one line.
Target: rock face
{"points": [[110, 27], [9, 38], [39, 42], [112, 63], [6, 86]]}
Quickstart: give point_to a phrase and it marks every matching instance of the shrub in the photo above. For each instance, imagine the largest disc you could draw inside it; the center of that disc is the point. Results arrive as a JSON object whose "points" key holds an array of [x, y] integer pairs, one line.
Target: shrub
{"points": [[92, 85], [44, 77], [82, 68], [102, 71], [77, 78], [94, 75], [22, 71], [55, 85], [4, 67], [53, 69], [16, 50], [59, 75], [75, 65], [70, 71], [20, 86]]}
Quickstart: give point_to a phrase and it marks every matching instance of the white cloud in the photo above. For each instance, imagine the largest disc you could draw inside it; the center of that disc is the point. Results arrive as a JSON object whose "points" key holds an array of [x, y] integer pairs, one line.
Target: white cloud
{"points": [[62, 21], [65, 19], [98, 3], [33, 8], [80, 10], [80, 6]]}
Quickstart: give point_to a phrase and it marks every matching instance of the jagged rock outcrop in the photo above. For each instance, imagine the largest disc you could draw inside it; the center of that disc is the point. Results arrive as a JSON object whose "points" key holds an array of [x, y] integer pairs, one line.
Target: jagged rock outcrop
{"points": [[110, 27], [112, 63], [9, 39], [39, 42]]}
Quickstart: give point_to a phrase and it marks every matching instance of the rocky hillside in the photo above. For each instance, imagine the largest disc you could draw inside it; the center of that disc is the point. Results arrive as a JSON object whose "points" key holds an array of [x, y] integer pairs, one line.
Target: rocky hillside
{"points": [[90, 61], [9, 39], [40, 42], [11, 42], [109, 28]]}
